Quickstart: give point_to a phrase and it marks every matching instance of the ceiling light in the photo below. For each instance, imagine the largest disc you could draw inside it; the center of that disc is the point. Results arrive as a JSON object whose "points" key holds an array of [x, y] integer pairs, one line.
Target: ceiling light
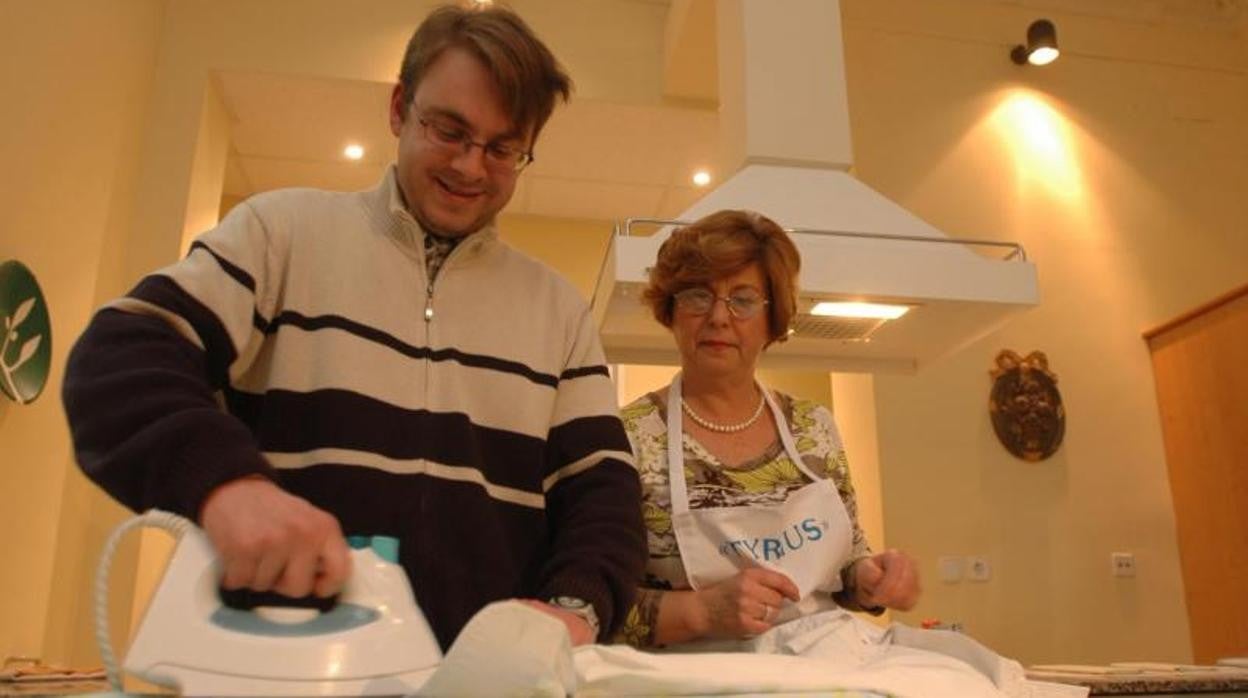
{"points": [[867, 310], [353, 151], [1041, 48], [701, 178]]}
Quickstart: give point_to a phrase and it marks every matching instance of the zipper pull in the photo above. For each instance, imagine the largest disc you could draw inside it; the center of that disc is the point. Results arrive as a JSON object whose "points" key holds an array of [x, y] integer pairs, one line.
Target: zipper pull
{"points": [[429, 304]]}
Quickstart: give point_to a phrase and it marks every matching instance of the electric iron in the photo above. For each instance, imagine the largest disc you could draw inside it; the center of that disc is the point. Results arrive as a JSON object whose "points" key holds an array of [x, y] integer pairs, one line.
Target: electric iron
{"points": [[374, 641]]}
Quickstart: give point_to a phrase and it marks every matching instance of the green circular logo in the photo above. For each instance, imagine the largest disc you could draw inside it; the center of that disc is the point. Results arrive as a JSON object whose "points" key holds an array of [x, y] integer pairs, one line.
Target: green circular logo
{"points": [[26, 347]]}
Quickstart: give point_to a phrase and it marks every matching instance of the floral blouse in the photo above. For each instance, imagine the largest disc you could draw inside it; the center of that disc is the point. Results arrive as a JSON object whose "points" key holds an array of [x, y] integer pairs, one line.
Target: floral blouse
{"points": [[764, 480]]}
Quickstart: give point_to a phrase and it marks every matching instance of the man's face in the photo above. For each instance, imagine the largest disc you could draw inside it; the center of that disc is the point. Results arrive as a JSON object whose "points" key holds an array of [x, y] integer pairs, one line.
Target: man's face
{"points": [[449, 191]]}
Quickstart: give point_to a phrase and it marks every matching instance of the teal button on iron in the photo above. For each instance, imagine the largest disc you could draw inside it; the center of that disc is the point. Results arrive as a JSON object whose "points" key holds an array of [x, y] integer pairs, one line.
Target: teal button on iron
{"points": [[386, 547]]}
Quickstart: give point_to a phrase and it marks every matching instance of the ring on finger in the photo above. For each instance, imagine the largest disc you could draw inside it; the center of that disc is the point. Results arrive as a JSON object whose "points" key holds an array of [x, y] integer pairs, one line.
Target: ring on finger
{"points": [[767, 609]]}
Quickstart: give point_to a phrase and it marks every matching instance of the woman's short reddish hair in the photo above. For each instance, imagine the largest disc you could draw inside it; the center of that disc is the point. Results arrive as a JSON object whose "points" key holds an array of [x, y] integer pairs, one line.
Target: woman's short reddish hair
{"points": [[721, 244]]}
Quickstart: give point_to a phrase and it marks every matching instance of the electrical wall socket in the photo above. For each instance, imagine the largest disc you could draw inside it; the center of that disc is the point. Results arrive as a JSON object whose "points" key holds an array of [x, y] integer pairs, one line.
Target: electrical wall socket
{"points": [[978, 569], [1122, 564]]}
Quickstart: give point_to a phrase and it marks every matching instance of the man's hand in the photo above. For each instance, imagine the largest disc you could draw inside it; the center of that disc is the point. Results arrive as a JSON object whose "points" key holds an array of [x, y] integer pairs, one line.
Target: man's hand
{"points": [[578, 628], [745, 604], [270, 540], [889, 579]]}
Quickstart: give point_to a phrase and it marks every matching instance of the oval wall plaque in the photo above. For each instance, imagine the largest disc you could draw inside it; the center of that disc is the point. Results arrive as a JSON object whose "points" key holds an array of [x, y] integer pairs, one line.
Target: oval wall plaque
{"points": [[26, 347], [1026, 408]]}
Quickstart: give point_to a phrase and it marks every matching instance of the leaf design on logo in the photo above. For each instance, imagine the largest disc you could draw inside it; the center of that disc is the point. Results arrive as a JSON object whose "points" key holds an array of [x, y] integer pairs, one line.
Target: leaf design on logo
{"points": [[28, 350], [22, 311]]}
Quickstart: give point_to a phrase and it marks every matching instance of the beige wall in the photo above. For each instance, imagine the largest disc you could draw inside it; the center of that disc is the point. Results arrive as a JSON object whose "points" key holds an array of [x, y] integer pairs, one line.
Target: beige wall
{"points": [[212, 146], [81, 72], [853, 397], [1123, 169], [574, 248]]}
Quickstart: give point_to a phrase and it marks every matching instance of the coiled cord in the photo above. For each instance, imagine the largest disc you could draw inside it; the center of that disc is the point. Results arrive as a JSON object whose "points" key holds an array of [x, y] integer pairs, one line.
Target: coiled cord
{"points": [[154, 518]]}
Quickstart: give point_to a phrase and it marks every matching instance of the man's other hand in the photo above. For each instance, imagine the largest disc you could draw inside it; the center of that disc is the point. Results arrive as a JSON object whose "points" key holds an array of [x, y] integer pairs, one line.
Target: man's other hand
{"points": [[578, 627]]}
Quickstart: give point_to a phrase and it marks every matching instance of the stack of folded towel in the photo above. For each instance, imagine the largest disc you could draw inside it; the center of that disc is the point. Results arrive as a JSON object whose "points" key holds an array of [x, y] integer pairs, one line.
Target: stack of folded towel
{"points": [[24, 670]]}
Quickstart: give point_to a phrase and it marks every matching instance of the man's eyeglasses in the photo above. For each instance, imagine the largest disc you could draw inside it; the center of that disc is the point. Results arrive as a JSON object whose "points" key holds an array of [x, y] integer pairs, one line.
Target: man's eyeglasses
{"points": [[743, 304], [455, 138]]}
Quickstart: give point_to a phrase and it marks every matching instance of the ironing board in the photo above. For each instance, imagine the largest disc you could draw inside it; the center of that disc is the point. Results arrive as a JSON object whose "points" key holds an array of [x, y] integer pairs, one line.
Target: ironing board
{"points": [[1149, 679]]}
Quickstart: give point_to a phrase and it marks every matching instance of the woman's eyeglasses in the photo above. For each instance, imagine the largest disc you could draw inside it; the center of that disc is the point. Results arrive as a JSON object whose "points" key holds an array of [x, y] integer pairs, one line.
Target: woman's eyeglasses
{"points": [[742, 305]]}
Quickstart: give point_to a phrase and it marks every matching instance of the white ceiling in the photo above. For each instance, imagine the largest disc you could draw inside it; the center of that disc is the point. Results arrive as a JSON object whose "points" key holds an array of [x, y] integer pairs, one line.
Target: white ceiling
{"points": [[628, 146], [598, 158], [594, 160]]}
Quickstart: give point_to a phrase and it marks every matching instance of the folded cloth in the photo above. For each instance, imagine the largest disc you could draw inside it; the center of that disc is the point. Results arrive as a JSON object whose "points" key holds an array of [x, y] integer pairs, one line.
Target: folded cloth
{"points": [[38, 671]]}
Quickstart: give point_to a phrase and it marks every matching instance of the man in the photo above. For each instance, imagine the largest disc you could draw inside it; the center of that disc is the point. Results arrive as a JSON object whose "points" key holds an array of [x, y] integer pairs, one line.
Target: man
{"points": [[386, 366]]}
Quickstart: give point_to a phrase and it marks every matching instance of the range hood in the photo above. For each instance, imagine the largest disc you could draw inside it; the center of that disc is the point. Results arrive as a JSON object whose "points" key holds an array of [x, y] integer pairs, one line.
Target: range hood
{"points": [[786, 124]]}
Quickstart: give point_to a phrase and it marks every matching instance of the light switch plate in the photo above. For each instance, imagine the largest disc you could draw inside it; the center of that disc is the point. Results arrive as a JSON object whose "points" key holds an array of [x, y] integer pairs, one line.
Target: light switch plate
{"points": [[1122, 564], [950, 568]]}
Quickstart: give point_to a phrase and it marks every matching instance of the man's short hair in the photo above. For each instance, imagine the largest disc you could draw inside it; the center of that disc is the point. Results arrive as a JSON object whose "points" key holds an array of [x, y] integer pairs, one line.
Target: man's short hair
{"points": [[526, 73]]}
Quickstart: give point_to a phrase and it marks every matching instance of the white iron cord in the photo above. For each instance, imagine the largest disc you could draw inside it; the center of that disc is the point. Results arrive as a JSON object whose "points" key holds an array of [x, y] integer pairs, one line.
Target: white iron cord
{"points": [[154, 518]]}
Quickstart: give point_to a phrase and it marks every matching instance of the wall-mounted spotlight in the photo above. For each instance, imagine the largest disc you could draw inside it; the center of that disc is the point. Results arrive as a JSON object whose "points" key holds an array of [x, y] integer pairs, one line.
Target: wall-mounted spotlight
{"points": [[1041, 48]]}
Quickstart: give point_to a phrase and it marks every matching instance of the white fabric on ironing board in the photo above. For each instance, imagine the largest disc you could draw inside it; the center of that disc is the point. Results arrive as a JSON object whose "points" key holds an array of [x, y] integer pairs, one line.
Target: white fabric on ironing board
{"points": [[826, 651], [512, 649], [507, 648]]}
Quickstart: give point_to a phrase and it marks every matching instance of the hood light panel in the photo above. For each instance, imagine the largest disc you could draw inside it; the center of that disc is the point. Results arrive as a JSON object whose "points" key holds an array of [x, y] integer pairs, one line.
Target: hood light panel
{"points": [[860, 310]]}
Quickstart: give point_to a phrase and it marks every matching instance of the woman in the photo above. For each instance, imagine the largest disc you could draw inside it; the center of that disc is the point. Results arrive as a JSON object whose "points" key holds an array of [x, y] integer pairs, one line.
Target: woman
{"points": [[760, 525]]}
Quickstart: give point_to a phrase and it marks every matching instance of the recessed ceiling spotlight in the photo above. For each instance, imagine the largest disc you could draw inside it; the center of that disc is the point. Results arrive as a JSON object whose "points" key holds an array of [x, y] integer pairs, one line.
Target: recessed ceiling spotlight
{"points": [[353, 151], [701, 178]]}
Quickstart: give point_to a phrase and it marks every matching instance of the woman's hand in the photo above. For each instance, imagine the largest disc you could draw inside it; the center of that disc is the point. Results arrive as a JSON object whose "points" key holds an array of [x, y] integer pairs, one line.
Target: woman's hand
{"points": [[745, 604], [889, 579]]}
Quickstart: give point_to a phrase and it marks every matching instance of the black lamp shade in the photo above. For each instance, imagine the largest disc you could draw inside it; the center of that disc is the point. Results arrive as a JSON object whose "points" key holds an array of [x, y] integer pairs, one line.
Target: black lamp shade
{"points": [[1040, 35]]}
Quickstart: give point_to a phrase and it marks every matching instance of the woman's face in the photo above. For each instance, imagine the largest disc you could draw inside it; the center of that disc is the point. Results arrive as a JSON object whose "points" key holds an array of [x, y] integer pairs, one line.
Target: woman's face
{"points": [[716, 342]]}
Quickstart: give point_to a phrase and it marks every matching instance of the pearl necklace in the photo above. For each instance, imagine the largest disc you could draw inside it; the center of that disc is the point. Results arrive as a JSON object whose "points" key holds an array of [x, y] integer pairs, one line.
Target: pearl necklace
{"points": [[725, 428]]}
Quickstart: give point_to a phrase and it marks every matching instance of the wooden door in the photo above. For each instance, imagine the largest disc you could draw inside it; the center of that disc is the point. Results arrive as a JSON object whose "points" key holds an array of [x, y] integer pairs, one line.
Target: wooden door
{"points": [[1200, 363]]}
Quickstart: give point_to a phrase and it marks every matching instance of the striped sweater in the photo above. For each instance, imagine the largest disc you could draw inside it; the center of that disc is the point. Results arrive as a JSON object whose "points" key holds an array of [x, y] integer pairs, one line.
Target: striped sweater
{"points": [[471, 417]]}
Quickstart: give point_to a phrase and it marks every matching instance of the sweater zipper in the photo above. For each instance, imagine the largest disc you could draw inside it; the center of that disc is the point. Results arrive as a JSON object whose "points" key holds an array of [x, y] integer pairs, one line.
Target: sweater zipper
{"points": [[429, 289], [426, 546]]}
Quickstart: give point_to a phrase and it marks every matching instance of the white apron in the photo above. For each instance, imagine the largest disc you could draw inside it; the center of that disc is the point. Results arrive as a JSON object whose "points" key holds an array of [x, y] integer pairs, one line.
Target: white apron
{"points": [[808, 537]]}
